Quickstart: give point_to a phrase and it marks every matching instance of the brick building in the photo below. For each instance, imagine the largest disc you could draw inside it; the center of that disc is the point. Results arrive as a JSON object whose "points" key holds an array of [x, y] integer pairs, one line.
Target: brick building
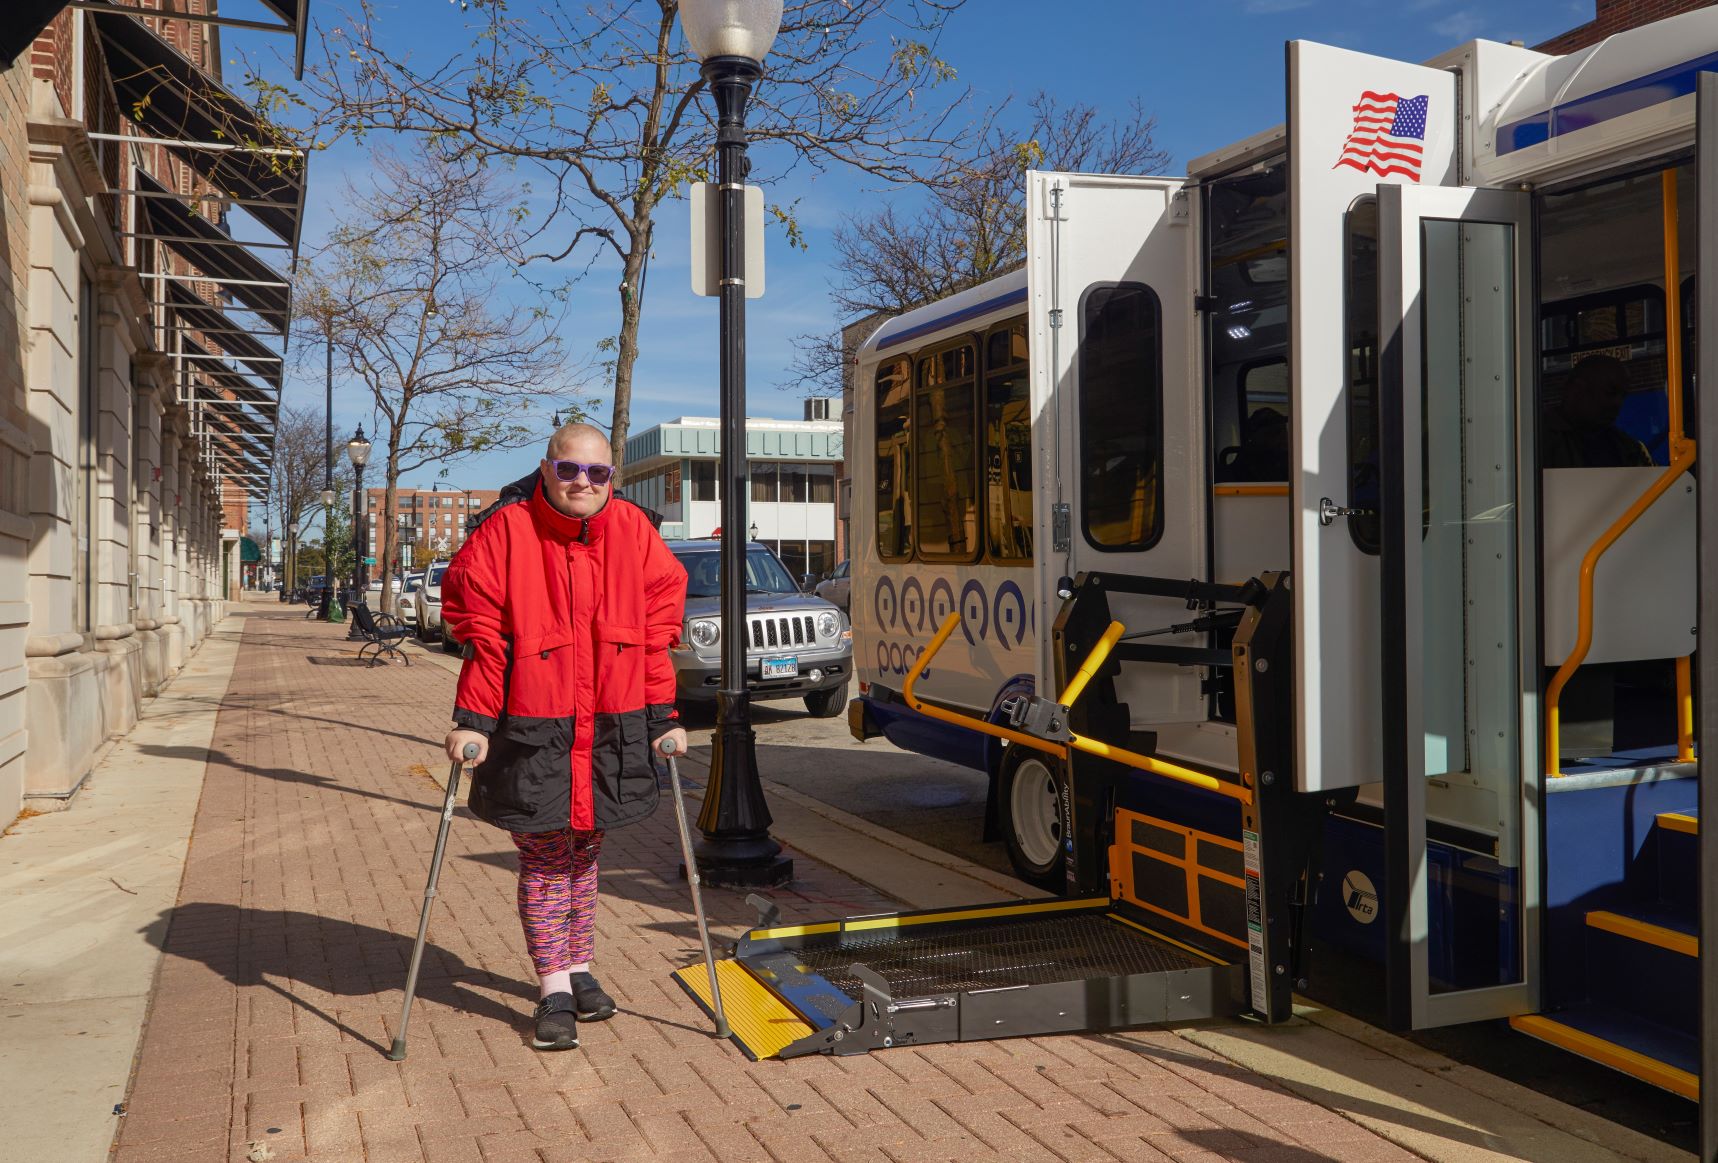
{"points": [[140, 363], [1614, 16], [432, 522]]}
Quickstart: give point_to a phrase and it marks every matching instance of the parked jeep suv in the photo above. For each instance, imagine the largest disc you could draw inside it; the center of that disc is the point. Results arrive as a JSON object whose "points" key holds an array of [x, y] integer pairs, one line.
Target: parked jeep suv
{"points": [[797, 644]]}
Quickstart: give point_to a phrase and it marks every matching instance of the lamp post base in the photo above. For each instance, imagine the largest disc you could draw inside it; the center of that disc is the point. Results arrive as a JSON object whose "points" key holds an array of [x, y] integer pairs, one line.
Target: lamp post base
{"points": [[736, 850]]}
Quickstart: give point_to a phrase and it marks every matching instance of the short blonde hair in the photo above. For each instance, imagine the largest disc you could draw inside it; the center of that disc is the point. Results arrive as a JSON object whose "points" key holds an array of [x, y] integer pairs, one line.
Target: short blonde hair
{"points": [[567, 433]]}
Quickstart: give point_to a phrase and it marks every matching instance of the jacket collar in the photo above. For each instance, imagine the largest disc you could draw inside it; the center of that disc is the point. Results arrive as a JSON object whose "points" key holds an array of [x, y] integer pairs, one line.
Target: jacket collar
{"points": [[585, 530]]}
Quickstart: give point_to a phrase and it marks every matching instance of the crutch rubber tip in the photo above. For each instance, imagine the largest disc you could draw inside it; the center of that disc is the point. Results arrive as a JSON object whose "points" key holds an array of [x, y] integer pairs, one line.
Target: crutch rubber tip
{"points": [[398, 1053], [721, 1029]]}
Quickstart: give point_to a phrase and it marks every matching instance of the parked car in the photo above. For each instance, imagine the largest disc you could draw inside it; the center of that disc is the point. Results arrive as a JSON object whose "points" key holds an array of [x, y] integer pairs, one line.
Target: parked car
{"points": [[407, 599], [835, 585], [798, 645], [426, 609]]}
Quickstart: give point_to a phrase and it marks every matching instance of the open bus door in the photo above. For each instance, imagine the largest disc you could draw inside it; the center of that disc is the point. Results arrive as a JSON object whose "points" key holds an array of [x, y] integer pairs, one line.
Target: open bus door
{"points": [[1706, 338], [1459, 601]]}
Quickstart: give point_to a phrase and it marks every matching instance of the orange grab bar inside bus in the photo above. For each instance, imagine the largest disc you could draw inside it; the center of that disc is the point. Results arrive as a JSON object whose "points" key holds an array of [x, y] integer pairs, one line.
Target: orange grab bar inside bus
{"points": [[1682, 456], [1092, 746]]}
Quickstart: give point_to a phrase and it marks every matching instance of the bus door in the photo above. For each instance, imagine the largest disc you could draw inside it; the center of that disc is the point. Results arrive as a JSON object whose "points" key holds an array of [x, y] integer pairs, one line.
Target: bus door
{"points": [[1116, 415], [1459, 629], [1355, 122]]}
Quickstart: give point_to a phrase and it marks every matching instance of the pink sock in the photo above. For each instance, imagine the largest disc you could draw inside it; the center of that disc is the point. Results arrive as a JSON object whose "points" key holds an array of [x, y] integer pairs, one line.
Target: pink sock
{"points": [[561, 981]]}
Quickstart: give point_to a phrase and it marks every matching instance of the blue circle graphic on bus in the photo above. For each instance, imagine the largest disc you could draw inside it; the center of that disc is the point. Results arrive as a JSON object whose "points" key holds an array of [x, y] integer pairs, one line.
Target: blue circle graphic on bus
{"points": [[974, 611], [884, 603], [941, 603], [912, 605], [1010, 613]]}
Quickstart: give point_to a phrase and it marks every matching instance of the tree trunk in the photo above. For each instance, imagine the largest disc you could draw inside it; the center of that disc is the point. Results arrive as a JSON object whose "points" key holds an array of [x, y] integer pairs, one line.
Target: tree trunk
{"points": [[390, 526], [631, 308]]}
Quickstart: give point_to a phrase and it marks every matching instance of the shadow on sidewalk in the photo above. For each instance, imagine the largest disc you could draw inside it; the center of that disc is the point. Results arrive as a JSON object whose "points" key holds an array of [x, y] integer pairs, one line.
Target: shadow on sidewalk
{"points": [[283, 774], [262, 948]]}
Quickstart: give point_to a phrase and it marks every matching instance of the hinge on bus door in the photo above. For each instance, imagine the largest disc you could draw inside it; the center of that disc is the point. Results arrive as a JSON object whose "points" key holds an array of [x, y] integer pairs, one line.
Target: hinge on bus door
{"points": [[1204, 303], [1040, 718], [1061, 527]]}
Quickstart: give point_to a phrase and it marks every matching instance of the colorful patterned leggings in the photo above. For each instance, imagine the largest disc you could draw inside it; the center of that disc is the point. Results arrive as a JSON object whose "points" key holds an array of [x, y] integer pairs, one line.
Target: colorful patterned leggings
{"points": [[558, 896]]}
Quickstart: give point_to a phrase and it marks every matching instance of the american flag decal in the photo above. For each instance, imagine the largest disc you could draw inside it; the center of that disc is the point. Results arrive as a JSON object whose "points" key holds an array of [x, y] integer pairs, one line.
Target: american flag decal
{"points": [[1389, 135]]}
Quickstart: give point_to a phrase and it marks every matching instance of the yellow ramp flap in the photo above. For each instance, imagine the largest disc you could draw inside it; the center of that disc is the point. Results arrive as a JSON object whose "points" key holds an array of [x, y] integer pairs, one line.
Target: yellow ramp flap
{"points": [[760, 1022]]}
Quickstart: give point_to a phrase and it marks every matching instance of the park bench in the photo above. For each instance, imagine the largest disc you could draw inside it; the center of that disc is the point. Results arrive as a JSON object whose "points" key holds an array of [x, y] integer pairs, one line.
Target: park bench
{"points": [[381, 632]]}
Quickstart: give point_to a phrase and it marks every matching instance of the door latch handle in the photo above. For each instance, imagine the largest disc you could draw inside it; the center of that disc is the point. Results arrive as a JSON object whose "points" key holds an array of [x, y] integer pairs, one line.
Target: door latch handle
{"points": [[1329, 511]]}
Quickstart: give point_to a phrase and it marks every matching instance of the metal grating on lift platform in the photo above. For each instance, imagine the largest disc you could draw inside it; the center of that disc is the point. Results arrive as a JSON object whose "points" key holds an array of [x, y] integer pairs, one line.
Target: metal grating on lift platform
{"points": [[922, 961]]}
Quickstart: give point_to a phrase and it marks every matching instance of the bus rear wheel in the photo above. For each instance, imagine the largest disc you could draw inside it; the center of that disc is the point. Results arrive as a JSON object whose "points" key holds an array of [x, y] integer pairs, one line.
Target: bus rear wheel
{"points": [[1029, 792]]}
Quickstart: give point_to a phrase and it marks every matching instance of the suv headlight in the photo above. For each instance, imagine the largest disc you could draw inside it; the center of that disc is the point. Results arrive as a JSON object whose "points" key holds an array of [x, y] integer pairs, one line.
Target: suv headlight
{"points": [[704, 632], [828, 624]]}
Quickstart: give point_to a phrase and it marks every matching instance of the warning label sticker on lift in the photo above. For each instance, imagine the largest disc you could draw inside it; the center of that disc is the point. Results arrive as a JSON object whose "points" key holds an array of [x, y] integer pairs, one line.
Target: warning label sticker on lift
{"points": [[1255, 923]]}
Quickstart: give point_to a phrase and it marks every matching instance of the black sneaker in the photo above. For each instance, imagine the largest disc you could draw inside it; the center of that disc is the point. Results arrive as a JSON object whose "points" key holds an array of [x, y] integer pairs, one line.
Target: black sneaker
{"points": [[557, 1023], [594, 1005]]}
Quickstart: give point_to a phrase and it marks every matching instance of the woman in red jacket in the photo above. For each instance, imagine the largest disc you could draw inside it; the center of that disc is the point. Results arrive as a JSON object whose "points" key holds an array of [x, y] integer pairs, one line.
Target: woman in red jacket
{"points": [[567, 601]]}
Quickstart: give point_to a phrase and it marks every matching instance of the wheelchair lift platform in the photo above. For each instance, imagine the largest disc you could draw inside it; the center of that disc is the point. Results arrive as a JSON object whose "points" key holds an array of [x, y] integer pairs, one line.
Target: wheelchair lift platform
{"points": [[960, 975]]}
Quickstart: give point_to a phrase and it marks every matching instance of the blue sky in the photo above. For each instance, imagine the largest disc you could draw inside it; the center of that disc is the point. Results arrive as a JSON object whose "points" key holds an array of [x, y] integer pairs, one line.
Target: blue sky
{"points": [[1211, 72]]}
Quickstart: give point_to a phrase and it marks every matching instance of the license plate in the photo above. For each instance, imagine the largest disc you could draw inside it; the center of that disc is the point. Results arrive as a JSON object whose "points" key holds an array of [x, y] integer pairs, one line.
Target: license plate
{"points": [[781, 668]]}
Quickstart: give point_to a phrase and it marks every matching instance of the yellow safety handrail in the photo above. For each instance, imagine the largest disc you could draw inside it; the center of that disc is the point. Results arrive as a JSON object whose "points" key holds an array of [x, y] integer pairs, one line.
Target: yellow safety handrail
{"points": [[1079, 743], [1682, 457]]}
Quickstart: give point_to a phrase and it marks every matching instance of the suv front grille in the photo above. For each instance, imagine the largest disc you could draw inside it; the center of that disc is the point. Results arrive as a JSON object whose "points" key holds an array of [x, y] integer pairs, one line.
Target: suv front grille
{"points": [[774, 631]]}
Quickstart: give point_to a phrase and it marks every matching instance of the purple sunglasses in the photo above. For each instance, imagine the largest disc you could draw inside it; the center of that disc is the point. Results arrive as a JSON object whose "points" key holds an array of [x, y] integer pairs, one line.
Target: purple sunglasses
{"points": [[570, 470]]}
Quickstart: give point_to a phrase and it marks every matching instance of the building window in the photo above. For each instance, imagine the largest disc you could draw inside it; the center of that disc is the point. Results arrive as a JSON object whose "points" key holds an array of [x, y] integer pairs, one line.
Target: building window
{"points": [[83, 517], [793, 490], [946, 477], [673, 485], [703, 480], [1120, 425], [894, 460], [1008, 444], [820, 483], [765, 481]]}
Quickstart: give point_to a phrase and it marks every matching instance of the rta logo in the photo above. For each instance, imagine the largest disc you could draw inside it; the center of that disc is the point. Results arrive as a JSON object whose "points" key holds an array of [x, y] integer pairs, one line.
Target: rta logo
{"points": [[1360, 897]]}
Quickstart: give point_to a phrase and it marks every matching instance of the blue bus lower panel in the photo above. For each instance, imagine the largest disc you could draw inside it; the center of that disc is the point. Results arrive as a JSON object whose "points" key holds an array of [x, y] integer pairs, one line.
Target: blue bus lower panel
{"points": [[911, 731]]}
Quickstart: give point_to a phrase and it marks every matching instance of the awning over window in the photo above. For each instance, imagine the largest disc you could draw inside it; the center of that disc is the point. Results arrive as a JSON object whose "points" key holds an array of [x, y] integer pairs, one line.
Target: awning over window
{"points": [[221, 372], [293, 19], [218, 257], [236, 341], [23, 23], [230, 144]]}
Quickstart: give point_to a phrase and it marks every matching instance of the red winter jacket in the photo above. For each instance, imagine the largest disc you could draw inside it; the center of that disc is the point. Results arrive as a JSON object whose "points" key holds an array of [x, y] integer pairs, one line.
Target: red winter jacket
{"points": [[566, 625]]}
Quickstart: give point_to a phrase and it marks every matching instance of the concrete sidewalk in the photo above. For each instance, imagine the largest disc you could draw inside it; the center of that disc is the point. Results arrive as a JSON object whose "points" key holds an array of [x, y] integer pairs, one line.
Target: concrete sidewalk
{"points": [[285, 956]]}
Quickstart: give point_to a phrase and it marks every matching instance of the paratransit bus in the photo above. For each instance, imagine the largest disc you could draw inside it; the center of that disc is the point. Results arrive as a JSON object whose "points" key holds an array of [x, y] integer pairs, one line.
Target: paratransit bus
{"points": [[1307, 549]]}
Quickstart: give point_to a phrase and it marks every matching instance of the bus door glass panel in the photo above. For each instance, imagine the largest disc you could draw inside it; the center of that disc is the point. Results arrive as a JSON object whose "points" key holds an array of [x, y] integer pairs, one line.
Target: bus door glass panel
{"points": [[1007, 444], [894, 461], [1247, 326], [1120, 418], [945, 482], [1459, 611]]}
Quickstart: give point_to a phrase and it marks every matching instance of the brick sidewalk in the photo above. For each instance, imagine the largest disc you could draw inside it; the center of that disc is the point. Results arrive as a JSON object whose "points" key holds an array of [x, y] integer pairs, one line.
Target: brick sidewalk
{"points": [[286, 957]]}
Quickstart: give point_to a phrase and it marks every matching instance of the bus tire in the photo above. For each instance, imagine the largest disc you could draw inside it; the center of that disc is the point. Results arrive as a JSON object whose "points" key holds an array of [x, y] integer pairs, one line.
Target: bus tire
{"points": [[1029, 795]]}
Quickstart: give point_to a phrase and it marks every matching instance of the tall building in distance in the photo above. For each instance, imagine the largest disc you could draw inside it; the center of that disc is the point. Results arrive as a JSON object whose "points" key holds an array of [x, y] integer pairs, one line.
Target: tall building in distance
{"points": [[432, 523], [794, 464]]}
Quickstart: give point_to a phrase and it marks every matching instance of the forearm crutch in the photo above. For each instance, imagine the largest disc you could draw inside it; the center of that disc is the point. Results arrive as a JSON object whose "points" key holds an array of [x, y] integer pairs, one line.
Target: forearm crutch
{"points": [[668, 749], [398, 1053]]}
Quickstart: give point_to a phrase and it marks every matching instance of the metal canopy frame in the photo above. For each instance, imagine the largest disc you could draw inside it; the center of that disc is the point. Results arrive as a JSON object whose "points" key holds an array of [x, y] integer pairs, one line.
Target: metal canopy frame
{"points": [[191, 312], [25, 21], [294, 20], [179, 106], [220, 257]]}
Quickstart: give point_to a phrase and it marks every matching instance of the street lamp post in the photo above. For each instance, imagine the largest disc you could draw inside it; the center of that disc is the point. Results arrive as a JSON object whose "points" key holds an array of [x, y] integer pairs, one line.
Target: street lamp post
{"points": [[331, 610], [731, 39], [358, 451]]}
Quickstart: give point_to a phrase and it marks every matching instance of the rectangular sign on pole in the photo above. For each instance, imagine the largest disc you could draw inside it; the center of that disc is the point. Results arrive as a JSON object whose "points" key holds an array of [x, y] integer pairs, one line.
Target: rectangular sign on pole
{"points": [[707, 240]]}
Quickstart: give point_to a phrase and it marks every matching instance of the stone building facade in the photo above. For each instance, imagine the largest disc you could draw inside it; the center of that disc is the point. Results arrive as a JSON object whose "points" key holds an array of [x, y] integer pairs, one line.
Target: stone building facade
{"points": [[122, 490]]}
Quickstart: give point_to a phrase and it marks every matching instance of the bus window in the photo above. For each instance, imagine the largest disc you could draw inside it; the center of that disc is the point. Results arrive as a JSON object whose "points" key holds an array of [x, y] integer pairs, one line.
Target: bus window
{"points": [[1360, 289], [946, 469], [1007, 444], [1121, 417], [894, 510]]}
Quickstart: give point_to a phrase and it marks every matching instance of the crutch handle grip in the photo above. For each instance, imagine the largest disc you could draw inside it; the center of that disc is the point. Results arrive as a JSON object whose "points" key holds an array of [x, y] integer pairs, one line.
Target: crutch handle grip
{"points": [[470, 752], [667, 746]]}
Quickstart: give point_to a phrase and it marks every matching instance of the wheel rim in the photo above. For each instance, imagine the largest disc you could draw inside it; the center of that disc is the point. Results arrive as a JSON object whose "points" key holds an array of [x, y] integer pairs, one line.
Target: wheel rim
{"points": [[1036, 812]]}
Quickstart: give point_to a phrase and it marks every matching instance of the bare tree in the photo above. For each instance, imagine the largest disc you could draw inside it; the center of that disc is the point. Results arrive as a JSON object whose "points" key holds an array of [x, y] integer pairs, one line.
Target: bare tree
{"points": [[409, 290], [295, 484], [601, 98], [972, 227]]}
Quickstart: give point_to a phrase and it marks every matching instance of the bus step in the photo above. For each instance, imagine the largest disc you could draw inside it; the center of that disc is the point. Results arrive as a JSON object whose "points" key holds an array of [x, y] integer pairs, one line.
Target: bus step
{"points": [[961, 975], [1668, 1059]]}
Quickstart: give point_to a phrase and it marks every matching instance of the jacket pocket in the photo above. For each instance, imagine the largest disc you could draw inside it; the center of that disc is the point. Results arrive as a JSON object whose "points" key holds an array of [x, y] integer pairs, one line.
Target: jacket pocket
{"points": [[525, 783], [623, 777]]}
